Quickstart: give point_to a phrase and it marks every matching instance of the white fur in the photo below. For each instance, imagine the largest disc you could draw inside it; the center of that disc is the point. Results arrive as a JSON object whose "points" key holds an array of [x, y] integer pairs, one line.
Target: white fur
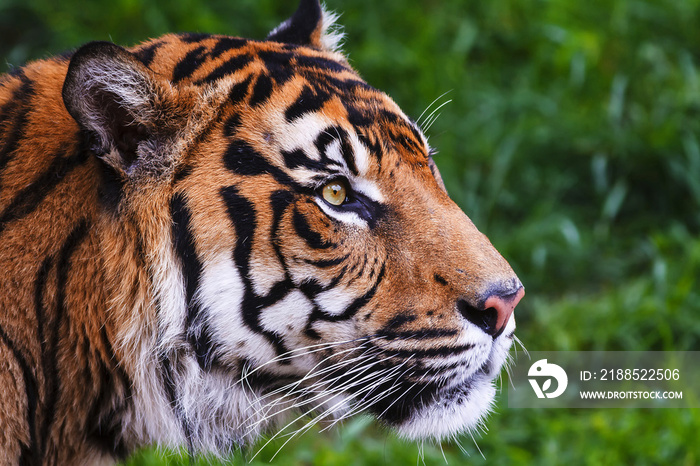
{"points": [[441, 420], [332, 35], [335, 301], [348, 217], [292, 310]]}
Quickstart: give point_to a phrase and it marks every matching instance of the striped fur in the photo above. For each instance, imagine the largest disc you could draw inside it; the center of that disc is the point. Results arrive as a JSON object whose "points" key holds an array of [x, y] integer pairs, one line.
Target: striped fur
{"points": [[173, 274]]}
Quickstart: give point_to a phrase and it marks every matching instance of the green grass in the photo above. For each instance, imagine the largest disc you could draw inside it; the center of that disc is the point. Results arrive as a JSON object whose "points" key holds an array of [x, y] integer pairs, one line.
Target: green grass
{"points": [[572, 140]]}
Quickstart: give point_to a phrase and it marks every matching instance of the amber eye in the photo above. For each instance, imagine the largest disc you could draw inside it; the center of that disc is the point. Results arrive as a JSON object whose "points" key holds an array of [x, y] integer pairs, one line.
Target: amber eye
{"points": [[335, 192]]}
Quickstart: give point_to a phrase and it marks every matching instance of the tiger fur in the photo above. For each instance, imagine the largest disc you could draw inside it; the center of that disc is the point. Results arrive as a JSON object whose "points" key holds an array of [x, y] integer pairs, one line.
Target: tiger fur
{"points": [[176, 271]]}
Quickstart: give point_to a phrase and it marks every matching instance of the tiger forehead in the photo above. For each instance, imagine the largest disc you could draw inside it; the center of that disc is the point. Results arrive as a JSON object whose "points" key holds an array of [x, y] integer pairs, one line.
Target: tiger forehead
{"points": [[319, 80], [202, 59]]}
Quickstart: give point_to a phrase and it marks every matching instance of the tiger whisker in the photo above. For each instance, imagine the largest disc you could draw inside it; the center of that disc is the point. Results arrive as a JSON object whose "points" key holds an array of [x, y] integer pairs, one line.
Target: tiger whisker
{"points": [[443, 453], [303, 351], [477, 445], [522, 345], [311, 423], [430, 119], [313, 373], [321, 394], [300, 393], [362, 404], [431, 104], [325, 391], [308, 375], [261, 413]]}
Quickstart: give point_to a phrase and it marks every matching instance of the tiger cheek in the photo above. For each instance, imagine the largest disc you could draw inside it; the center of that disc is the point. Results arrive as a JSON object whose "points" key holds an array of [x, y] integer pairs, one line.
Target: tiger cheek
{"points": [[312, 235]]}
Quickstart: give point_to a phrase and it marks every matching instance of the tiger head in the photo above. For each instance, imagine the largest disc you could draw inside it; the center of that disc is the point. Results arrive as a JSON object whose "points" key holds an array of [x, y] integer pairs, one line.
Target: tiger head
{"points": [[295, 247]]}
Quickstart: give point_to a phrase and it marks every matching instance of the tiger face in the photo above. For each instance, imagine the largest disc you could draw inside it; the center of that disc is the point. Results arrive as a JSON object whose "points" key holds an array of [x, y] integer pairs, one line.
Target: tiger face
{"points": [[269, 237]]}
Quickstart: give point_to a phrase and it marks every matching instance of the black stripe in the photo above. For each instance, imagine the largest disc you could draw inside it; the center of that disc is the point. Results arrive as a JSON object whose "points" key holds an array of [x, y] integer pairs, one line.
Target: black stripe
{"points": [[148, 53], [226, 44], [30, 453], [326, 138], [348, 155], [350, 311], [29, 198], [183, 243], [430, 352], [261, 91], [239, 91], [410, 394], [106, 410], [417, 334], [241, 212], [192, 37], [279, 65], [110, 189], [335, 85], [357, 270], [440, 279], [228, 67], [232, 125], [279, 202], [398, 320], [359, 117], [298, 158], [39, 290], [414, 395], [52, 374], [189, 64], [372, 142], [241, 158], [362, 301], [323, 264], [181, 173], [309, 101], [320, 63], [18, 109], [312, 238], [170, 387]]}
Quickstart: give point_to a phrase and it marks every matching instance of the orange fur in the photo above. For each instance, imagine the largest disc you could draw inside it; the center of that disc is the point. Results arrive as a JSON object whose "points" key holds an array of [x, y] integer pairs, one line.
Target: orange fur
{"points": [[83, 276]]}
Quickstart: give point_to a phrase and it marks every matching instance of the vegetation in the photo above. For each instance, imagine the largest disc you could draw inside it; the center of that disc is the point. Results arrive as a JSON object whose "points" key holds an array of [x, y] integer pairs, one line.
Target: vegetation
{"points": [[572, 140]]}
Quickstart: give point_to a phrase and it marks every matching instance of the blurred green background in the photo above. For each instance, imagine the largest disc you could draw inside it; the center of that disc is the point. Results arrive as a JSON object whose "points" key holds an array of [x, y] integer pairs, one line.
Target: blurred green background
{"points": [[572, 140]]}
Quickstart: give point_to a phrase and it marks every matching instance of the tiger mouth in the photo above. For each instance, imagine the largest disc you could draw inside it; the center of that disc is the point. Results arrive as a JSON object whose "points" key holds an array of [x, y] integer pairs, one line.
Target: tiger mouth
{"points": [[396, 401], [405, 393], [466, 400]]}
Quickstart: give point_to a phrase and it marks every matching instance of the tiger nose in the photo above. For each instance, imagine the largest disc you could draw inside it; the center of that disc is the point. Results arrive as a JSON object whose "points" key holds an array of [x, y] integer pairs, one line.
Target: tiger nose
{"points": [[494, 314]]}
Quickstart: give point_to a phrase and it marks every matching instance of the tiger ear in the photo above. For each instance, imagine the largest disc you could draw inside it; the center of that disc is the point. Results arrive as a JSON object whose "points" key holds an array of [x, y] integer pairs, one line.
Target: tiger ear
{"points": [[122, 104], [310, 25]]}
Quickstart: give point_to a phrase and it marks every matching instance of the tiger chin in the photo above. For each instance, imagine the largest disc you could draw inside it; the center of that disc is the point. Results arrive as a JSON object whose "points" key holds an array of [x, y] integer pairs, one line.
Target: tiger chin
{"points": [[204, 237]]}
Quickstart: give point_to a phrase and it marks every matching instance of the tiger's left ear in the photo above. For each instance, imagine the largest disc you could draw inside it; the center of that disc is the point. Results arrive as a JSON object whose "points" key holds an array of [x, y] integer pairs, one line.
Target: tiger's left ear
{"points": [[311, 25], [136, 120]]}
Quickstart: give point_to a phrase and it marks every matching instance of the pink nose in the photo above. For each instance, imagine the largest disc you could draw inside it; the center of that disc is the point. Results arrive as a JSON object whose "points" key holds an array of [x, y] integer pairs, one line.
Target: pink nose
{"points": [[504, 306]]}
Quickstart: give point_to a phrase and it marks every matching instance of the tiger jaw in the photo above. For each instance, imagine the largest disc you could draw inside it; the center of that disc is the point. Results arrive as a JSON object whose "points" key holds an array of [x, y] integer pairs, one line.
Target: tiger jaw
{"points": [[464, 406], [420, 399]]}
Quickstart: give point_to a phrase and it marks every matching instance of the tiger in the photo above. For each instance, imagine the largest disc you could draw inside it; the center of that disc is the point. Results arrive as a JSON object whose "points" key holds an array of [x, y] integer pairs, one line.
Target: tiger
{"points": [[205, 237]]}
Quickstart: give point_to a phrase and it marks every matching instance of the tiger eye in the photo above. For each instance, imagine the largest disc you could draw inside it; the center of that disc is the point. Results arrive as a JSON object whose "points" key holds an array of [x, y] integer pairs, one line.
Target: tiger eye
{"points": [[335, 192]]}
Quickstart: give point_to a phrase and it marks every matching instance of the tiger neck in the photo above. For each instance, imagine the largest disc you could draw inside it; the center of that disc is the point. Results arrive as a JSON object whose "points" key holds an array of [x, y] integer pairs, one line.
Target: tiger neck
{"points": [[55, 297]]}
